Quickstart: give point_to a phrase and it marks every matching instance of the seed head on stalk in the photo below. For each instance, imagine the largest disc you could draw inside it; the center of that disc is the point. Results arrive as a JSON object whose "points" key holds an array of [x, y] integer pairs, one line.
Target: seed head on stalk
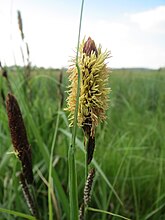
{"points": [[20, 24], [87, 193], [88, 186], [19, 137], [94, 91]]}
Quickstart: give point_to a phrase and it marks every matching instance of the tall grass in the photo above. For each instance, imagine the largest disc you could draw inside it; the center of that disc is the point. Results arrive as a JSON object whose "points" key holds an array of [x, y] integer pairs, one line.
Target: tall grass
{"points": [[131, 145]]}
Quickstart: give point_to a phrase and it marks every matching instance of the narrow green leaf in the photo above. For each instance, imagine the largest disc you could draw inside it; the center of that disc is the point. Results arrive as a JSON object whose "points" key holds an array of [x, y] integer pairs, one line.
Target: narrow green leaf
{"points": [[73, 195], [50, 170], [108, 213], [18, 214], [98, 168]]}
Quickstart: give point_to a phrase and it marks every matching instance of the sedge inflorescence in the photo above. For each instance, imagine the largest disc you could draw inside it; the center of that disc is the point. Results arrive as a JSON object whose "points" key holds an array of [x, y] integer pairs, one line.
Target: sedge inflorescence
{"points": [[19, 137], [94, 91]]}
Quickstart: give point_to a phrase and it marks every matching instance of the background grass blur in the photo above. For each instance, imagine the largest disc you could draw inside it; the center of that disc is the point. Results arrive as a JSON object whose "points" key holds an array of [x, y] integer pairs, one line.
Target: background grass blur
{"points": [[130, 146]]}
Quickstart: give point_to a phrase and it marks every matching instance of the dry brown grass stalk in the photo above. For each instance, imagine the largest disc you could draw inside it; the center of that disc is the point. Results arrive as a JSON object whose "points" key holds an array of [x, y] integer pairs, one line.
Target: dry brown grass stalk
{"points": [[27, 64]]}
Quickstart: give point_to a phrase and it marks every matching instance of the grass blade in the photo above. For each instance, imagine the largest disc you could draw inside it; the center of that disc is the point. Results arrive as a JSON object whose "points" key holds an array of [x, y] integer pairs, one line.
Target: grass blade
{"points": [[108, 213], [18, 214], [50, 186]]}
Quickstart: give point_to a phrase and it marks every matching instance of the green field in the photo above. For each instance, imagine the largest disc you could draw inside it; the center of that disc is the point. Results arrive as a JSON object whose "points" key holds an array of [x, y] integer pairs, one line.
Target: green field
{"points": [[130, 146]]}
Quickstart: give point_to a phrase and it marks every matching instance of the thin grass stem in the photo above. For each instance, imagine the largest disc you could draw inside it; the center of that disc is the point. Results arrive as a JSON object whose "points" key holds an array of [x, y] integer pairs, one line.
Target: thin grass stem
{"points": [[86, 174], [86, 164], [73, 194], [18, 214], [50, 185], [108, 213]]}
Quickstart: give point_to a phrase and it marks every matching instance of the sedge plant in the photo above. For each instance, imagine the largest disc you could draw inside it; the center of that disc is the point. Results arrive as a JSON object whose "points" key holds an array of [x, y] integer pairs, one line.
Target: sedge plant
{"points": [[91, 79]]}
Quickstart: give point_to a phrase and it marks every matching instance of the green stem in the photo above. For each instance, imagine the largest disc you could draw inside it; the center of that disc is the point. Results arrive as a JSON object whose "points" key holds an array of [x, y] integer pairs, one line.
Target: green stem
{"points": [[108, 213], [33, 192], [73, 194], [18, 214], [86, 172], [50, 186], [86, 165], [85, 212]]}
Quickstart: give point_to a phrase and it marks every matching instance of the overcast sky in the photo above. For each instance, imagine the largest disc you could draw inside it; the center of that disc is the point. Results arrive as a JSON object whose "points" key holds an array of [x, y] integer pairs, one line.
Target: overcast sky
{"points": [[133, 30]]}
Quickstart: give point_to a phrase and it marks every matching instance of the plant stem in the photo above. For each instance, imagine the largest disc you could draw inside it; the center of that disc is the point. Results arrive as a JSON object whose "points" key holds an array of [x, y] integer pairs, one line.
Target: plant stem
{"points": [[86, 165], [108, 213], [86, 157], [73, 194], [50, 186], [18, 214], [33, 192]]}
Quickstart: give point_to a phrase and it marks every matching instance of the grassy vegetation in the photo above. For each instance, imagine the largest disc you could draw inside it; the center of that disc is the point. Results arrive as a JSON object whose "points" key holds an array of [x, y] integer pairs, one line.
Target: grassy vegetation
{"points": [[130, 146]]}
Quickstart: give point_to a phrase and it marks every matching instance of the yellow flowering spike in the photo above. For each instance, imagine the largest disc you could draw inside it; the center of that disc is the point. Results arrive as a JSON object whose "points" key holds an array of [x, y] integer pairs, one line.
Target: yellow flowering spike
{"points": [[94, 91]]}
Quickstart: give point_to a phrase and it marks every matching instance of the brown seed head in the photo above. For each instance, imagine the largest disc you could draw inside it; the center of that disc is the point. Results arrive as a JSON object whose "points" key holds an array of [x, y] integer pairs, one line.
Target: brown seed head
{"points": [[81, 212], [19, 136], [20, 24], [90, 149], [27, 195], [88, 186], [90, 47]]}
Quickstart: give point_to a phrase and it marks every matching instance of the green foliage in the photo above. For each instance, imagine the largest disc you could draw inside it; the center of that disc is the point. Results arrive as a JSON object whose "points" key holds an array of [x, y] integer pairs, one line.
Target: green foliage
{"points": [[130, 146]]}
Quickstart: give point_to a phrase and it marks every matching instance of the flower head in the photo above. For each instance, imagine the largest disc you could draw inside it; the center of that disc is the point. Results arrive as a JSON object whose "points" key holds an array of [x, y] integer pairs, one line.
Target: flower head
{"points": [[19, 136], [88, 186], [93, 100]]}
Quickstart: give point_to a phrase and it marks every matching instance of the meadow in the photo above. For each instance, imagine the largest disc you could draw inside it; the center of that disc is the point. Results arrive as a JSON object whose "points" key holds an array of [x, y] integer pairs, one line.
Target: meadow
{"points": [[130, 145]]}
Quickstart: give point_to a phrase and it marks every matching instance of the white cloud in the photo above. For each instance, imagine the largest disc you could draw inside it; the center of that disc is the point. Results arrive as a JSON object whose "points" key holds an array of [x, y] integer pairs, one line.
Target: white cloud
{"points": [[151, 20], [135, 41], [130, 46]]}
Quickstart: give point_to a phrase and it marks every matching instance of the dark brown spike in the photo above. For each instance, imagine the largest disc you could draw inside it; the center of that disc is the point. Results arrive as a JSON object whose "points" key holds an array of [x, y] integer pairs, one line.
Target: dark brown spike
{"points": [[88, 186], [81, 212], [19, 136], [90, 148], [29, 199], [90, 46]]}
